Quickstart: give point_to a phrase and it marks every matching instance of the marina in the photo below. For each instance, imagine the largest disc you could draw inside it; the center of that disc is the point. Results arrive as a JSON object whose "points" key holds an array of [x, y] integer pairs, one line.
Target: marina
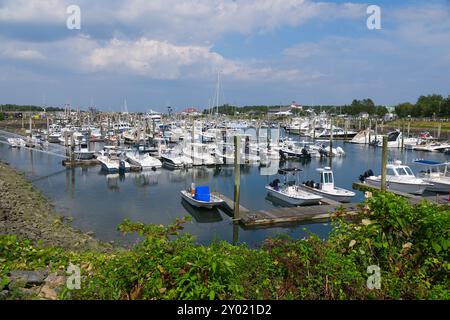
{"points": [[138, 171]]}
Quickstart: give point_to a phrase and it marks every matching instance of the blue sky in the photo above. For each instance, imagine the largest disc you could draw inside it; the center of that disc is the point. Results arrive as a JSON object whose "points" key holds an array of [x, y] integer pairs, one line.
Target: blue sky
{"points": [[168, 52]]}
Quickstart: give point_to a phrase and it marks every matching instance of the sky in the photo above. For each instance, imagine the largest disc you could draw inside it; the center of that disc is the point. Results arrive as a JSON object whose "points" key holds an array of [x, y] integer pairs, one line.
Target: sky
{"points": [[159, 53]]}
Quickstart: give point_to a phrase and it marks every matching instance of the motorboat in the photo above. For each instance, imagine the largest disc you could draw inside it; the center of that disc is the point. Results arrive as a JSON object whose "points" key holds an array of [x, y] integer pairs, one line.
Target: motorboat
{"points": [[199, 153], [83, 152], [399, 177], [365, 137], [174, 159], [291, 192], [201, 197], [437, 173], [326, 187], [143, 160], [16, 142], [395, 138]]}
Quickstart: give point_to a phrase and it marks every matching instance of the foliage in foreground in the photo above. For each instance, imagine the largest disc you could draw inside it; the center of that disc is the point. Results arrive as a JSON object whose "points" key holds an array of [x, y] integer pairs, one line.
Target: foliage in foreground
{"points": [[410, 245]]}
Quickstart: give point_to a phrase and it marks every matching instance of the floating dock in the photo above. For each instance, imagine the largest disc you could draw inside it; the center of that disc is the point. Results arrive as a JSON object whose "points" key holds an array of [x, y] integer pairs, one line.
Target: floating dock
{"points": [[289, 215], [313, 214]]}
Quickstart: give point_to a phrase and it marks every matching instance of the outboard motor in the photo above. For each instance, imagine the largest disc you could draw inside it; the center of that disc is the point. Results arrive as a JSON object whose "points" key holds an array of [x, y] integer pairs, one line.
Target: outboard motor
{"points": [[305, 153], [365, 175], [282, 156], [274, 184]]}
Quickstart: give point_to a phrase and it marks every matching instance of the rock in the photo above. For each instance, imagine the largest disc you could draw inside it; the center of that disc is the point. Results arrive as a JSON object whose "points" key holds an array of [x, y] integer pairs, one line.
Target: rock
{"points": [[48, 293], [4, 294], [26, 279], [54, 281]]}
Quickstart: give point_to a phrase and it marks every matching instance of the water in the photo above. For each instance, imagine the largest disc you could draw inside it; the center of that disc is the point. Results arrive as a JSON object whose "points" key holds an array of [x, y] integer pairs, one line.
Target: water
{"points": [[99, 202]]}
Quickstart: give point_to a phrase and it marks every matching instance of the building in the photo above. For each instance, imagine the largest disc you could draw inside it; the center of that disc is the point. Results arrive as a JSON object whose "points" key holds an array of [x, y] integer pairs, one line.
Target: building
{"points": [[190, 111], [297, 106], [279, 112]]}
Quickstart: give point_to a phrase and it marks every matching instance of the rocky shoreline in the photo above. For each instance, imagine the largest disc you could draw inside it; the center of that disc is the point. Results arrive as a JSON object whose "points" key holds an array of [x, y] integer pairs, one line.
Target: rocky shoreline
{"points": [[26, 213]]}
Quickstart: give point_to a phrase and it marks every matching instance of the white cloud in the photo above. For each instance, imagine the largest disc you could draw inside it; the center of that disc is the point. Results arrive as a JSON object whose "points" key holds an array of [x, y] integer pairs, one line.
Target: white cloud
{"points": [[22, 54]]}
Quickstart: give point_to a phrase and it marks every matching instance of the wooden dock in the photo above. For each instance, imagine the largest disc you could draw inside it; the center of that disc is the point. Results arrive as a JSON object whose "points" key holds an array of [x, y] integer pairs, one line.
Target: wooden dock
{"points": [[311, 214], [439, 198], [80, 163], [289, 215]]}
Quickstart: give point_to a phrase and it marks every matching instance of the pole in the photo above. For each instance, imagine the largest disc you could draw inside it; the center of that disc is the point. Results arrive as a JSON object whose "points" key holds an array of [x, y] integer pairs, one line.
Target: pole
{"points": [[330, 155], [237, 176], [403, 136], [384, 164]]}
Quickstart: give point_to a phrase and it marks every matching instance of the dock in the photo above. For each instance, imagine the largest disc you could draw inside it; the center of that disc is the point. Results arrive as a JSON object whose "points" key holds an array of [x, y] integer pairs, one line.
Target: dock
{"points": [[311, 214], [80, 163], [290, 215], [438, 198]]}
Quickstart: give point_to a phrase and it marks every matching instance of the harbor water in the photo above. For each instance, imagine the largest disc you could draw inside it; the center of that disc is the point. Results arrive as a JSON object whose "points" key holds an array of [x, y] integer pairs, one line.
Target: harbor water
{"points": [[99, 203]]}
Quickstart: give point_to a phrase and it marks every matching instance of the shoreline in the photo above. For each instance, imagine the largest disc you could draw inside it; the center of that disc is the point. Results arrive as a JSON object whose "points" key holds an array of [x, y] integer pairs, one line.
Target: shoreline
{"points": [[28, 214]]}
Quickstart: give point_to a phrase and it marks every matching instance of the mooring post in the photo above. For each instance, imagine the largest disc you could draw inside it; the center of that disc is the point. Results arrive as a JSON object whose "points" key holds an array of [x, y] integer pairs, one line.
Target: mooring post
{"points": [[72, 149], [237, 177], [439, 131], [330, 155], [384, 164], [403, 136]]}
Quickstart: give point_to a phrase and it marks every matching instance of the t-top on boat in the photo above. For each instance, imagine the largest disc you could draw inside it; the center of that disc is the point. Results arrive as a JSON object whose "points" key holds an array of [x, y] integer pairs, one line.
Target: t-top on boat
{"points": [[327, 188], [290, 191], [437, 173]]}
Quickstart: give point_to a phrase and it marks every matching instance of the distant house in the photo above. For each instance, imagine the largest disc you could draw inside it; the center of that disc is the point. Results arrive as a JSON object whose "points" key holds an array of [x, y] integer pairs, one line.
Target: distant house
{"points": [[190, 111], [282, 111], [363, 115], [296, 105], [390, 116]]}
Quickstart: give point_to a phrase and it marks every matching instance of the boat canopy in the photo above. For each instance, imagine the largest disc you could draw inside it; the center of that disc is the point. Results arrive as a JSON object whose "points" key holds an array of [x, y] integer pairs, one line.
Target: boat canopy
{"points": [[289, 170], [430, 163]]}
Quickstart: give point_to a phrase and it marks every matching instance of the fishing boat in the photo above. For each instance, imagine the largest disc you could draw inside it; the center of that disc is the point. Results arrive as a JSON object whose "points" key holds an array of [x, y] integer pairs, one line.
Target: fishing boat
{"points": [[199, 153], [83, 152], [291, 192], [395, 140], [175, 159], [437, 173], [201, 197], [144, 160], [399, 178], [327, 188]]}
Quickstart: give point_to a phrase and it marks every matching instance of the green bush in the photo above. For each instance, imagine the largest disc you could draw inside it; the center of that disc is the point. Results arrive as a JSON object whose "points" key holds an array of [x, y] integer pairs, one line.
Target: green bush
{"points": [[409, 244]]}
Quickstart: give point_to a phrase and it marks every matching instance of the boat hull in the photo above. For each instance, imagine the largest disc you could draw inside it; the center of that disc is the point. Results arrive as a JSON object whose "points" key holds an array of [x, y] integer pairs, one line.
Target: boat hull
{"points": [[418, 189], [295, 201], [200, 204]]}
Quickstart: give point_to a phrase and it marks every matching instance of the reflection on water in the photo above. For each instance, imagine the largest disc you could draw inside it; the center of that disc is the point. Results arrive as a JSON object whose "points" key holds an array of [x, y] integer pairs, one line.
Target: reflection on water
{"points": [[99, 202]]}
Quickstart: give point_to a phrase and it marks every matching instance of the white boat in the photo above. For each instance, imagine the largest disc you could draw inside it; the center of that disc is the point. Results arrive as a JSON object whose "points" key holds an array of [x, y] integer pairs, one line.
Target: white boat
{"points": [[366, 137], [109, 165], [199, 153], [432, 147], [395, 140], [400, 178], [291, 193], [143, 160], [437, 173], [83, 152], [190, 198], [16, 142], [327, 188], [174, 159]]}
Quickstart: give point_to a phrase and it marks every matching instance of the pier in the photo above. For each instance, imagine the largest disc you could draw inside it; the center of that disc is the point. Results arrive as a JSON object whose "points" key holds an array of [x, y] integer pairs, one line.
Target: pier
{"points": [[282, 216]]}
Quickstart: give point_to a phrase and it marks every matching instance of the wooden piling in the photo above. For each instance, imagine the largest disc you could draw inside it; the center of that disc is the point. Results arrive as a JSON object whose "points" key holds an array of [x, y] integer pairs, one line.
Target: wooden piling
{"points": [[384, 164], [237, 176]]}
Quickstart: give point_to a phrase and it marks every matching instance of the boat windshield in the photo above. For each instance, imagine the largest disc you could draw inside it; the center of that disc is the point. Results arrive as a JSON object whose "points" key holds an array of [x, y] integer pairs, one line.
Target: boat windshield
{"points": [[409, 171], [404, 171]]}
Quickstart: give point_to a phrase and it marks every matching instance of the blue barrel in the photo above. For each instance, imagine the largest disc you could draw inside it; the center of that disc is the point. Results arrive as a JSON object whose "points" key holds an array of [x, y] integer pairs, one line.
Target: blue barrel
{"points": [[202, 193]]}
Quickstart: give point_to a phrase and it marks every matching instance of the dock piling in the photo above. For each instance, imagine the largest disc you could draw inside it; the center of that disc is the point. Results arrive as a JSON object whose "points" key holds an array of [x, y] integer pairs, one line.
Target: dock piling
{"points": [[384, 164]]}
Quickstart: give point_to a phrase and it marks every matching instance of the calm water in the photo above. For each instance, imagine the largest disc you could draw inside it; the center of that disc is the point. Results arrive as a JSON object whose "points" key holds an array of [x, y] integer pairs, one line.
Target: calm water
{"points": [[99, 202]]}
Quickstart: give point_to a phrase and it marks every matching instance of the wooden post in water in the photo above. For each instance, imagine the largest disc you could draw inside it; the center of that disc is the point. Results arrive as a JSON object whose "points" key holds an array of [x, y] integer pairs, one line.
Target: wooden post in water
{"points": [[409, 126], [403, 136], [330, 154], [384, 164], [31, 126], [72, 148], [370, 129], [439, 131], [237, 177]]}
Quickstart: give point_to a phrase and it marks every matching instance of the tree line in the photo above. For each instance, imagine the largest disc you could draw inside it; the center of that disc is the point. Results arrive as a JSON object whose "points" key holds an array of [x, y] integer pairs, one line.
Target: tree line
{"points": [[25, 108], [426, 107]]}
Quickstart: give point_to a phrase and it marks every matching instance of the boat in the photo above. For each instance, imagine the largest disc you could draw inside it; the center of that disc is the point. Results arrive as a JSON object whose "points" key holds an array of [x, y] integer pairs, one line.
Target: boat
{"points": [[327, 188], [432, 147], [395, 140], [399, 177], [366, 137], [83, 152], [143, 160], [437, 173], [174, 159], [109, 165], [290, 192], [201, 197], [199, 153], [16, 142]]}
